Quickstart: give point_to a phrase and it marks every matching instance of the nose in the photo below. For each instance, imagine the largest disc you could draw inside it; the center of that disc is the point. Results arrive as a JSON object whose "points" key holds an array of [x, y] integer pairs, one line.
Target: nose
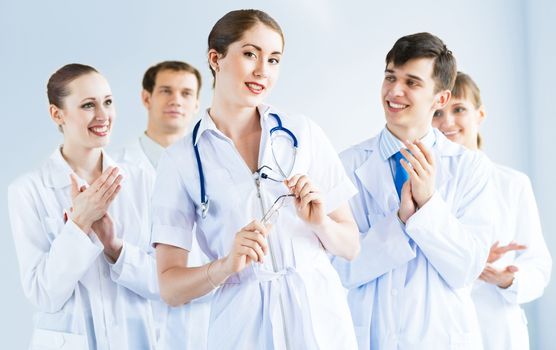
{"points": [[102, 114], [261, 70], [176, 99], [395, 90]]}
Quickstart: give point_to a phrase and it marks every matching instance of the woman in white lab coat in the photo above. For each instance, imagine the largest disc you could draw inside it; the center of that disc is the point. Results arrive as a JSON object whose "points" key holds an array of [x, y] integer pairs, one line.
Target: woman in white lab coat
{"points": [[519, 264], [79, 226], [245, 165]]}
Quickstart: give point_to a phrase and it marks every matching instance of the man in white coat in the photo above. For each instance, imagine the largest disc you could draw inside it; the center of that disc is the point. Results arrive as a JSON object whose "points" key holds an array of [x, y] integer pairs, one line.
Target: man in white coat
{"points": [[422, 211], [171, 97]]}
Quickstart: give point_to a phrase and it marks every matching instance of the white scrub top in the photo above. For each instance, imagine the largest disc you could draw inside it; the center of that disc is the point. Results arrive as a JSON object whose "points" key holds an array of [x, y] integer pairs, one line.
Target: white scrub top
{"points": [[409, 288], [250, 309], [503, 322], [84, 300], [183, 327]]}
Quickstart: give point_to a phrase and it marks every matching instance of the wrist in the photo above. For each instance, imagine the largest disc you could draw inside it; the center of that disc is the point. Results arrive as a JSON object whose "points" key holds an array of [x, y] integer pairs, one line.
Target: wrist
{"points": [[321, 226], [114, 249], [218, 271], [421, 203], [83, 224], [506, 284]]}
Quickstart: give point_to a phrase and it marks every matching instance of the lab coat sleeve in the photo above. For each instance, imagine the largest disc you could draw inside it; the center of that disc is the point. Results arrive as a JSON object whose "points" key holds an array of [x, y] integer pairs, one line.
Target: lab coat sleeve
{"points": [[456, 242], [384, 244], [384, 247], [52, 256], [173, 210], [135, 269], [327, 171], [534, 263]]}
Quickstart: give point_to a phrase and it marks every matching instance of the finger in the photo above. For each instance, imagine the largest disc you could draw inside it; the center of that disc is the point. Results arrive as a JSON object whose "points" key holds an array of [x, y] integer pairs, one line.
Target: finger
{"points": [[112, 177], [256, 225], [307, 188], [410, 171], [74, 185], [495, 245], [83, 188], [108, 193], [259, 239], [292, 181], [248, 252], [419, 157], [311, 198], [301, 182], [101, 179], [111, 198], [426, 152], [511, 247], [409, 158], [256, 247], [512, 269]]}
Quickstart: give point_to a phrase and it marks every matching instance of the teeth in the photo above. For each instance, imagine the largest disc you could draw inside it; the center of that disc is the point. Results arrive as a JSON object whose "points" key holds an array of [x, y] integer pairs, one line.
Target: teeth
{"points": [[395, 105], [450, 133], [255, 87], [100, 129]]}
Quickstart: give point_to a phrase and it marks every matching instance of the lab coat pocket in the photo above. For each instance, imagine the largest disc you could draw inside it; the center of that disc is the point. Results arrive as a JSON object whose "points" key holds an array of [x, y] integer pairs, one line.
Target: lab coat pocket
{"points": [[45, 340]]}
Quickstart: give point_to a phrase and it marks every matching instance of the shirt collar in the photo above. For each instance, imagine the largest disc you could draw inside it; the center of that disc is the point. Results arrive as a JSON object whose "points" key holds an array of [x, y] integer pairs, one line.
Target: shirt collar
{"points": [[151, 148], [207, 124], [59, 170], [390, 144]]}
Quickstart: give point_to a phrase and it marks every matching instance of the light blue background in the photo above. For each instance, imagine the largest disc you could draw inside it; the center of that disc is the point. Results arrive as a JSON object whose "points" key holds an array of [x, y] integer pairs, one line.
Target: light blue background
{"points": [[332, 71]]}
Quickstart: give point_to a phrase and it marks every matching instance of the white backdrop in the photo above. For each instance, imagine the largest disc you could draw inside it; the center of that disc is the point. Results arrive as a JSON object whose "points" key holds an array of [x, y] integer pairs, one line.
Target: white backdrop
{"points": [[332, 71]]}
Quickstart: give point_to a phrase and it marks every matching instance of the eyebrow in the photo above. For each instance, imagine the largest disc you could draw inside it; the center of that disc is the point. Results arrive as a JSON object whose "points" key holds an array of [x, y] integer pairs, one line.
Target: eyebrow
{"points": [[93, 99], [258, 48], [390, 71]]}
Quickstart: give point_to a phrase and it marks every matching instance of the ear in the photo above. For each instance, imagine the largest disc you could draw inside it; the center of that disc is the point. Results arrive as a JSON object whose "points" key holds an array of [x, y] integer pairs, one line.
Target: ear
{"points": [[441, 99], [482, 114], [213, 57], [56, 115], [146, 98]]}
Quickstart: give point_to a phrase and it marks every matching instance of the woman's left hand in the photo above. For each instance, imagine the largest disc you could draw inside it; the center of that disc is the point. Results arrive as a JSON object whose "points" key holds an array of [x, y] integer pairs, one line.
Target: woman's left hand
{"points": [[104, 229], [308, 199]]}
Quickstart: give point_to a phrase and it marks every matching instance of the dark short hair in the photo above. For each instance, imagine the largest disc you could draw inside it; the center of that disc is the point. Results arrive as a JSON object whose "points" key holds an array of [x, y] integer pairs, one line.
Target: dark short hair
{"points": [[149, 79], [426, 45], [231, 27], [57, 87]]}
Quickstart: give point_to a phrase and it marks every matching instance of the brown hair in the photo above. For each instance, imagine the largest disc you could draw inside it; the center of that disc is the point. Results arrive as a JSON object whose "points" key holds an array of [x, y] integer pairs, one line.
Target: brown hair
{"points": [[466, 88], [149, 79], [426, 45], [57, 86], [231, 27]]}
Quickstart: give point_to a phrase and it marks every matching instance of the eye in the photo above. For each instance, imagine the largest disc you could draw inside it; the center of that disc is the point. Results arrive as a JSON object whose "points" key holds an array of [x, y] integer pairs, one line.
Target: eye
{"points": [[459, 110], [249, 54], [186, 93], [108, 102], [165, 91], [390, 78], [437, 114], [273, 61], [88, 105], [411, 82]]}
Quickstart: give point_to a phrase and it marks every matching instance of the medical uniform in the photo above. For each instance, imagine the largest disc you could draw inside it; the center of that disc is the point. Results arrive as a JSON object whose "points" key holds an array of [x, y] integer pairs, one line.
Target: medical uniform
{"points": [[295, 302], [183, 327], [85, 301], [503, 322], [409, 288]]}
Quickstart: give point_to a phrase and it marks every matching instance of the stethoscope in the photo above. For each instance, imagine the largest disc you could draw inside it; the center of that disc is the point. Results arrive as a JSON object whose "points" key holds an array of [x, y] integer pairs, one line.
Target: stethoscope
{"points": [[205, 200]]}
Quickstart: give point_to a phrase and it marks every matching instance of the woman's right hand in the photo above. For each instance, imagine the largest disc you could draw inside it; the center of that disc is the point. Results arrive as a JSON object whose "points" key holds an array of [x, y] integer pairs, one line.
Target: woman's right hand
{"points": [[91, 203], [249, 245]]}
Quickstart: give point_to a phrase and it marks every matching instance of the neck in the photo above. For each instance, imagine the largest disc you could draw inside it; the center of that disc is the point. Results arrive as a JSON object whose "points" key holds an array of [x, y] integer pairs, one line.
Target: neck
{"points": [[162, 138], [234, 121], [410, 134], [85, 162]]}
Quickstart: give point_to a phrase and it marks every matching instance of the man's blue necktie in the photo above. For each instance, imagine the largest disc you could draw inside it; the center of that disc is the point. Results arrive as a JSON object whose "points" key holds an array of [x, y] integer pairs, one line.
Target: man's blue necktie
{"points": [[401, 175]]}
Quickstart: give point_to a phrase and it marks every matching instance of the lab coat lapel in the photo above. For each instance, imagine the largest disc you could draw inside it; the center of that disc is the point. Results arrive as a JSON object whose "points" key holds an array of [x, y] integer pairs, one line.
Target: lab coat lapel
{"points": [[376, 177]]}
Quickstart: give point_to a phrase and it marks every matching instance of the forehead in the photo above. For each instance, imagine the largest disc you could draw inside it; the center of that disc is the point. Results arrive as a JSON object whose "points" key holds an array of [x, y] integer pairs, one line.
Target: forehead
{"points": [[262, 36], [176, 78], [418, 67], [89, 85]]}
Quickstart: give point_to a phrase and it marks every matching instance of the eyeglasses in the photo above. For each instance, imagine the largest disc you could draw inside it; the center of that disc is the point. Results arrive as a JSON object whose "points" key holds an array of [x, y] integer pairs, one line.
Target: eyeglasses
{"points": [[272, 213]]}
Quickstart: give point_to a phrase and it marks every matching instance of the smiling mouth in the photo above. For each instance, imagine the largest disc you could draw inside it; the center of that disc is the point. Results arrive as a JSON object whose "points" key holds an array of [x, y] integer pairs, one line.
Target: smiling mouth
{"points": [[255, 88], [396, 105], [100, 130], [450, 133]]}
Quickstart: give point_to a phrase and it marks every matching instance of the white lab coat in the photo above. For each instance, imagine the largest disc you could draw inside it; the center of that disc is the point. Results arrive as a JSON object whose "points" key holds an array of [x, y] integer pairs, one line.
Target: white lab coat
{"points": [[84, 300], [297, 302], [186, 326], [409, 288], [503, 322]]}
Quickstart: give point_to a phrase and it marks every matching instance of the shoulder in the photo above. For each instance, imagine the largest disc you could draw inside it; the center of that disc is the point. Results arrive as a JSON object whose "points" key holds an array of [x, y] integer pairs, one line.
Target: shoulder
{"points": [[355, 155], [507, 177]]}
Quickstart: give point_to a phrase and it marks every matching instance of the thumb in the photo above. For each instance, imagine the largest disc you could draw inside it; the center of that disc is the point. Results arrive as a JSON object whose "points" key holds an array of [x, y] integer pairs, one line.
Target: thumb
{"points": [[512, 268]]}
